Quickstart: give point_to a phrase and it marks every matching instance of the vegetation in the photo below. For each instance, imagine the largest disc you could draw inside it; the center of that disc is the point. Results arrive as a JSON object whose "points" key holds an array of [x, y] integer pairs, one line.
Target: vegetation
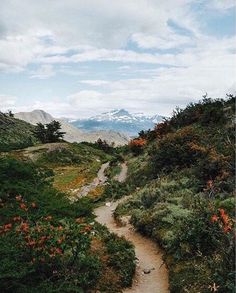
{"points": [[56, 243], [182, 180], [181, 187], [49, 132], [14, 133]]}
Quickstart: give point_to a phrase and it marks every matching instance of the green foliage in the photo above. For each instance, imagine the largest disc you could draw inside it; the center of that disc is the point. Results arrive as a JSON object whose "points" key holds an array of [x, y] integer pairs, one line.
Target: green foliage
{"points": [[15, 134], [183, 195], [122, 258], [49, 132], [50, 238], [115, 190]]}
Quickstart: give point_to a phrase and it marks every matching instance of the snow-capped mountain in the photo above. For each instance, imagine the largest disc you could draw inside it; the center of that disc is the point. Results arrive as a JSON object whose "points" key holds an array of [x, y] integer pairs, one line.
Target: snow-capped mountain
{"points": [[118, 120], [72, 133]]}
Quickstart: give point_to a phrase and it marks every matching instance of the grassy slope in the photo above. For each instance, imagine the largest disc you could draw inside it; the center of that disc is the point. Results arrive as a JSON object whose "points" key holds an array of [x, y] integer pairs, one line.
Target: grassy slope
{"points": [[15, 134], [173, 202], [101, 266]]}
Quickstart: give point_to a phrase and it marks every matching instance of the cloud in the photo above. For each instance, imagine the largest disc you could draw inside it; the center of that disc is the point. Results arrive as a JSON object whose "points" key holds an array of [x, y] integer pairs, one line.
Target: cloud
{"points": [[45, 71], [29, 32], [143, 55], [222, 5], [7, 102], [95, 82], [167, 41]]}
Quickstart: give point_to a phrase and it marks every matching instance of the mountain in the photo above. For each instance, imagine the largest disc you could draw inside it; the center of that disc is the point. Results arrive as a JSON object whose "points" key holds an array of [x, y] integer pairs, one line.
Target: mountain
{"points": [[15, 133], [118, 120], [73, 134]]}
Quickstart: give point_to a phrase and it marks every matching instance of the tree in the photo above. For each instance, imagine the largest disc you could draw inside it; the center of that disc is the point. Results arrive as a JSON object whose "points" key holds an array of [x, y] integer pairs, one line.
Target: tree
{"points": [[49, 132], [53, 131]]}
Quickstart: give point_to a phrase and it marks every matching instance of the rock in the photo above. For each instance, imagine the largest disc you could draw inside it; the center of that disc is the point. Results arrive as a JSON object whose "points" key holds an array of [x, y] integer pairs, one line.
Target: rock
{"points": [[147, 271]]}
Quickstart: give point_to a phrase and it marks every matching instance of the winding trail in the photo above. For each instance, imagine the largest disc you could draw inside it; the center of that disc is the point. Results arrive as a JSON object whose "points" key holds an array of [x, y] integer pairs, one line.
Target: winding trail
{"points": [[99, 180], [151, 274], [121, 177]]}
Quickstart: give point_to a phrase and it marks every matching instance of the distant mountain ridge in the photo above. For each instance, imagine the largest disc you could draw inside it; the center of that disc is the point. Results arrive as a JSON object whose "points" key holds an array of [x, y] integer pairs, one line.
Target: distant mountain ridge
{"points": [[118, 120], [73, 134]]}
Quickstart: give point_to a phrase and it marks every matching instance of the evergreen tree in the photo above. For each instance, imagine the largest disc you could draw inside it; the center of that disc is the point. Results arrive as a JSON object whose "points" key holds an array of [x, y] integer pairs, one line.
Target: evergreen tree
{"points": [[49, 132]]}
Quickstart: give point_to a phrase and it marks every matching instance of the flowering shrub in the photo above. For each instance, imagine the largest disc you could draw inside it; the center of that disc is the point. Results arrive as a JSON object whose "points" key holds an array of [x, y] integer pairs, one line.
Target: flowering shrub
{"points": [[46, 245], [136, 145], [45, 240]]}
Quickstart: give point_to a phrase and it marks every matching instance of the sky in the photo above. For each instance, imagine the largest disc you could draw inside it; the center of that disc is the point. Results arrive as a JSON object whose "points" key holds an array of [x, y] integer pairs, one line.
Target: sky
{"points": [[78, 58]]}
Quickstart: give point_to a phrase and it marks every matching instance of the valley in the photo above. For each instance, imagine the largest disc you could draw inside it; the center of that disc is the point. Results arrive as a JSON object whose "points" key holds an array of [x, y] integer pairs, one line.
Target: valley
{"points": [[151, 216]]}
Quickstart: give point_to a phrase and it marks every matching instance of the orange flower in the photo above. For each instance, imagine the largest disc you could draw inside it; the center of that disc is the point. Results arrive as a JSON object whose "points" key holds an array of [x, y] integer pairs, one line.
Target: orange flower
{"points": [[138, 142], [60, 228], [59, 241], [24, 227], [87, 228], [31, 243], [227, 229], [48, 218], [58, 250], [210, 184], [23, 207], [214, 218], [7, 227], [222, 212]]}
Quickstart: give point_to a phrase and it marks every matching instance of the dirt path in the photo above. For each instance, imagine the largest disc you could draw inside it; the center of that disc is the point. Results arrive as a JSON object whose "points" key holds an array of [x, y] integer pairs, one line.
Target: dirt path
{"points": [[121, 177], [151, 274], [155, 278], [99, 180]]}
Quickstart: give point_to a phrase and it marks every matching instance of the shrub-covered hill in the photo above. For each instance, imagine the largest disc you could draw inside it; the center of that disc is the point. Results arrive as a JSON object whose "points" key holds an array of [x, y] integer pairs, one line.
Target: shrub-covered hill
{"points": [[48, 244], [182, 177], [14, 133]]}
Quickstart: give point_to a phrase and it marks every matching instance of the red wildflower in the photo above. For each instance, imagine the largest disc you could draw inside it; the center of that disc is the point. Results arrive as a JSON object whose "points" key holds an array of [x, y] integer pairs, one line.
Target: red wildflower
{"points": [[210, 184], [227, 228], [59, 241], [87, 228], [24, 227], [7, 227], [222, 212], [31, 243], [214, 218], [58, 250], [23, 207]]}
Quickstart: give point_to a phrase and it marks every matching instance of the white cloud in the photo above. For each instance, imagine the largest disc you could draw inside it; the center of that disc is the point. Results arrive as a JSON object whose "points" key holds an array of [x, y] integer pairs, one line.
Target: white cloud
{"points": [[7, 102], [45, 71], [56, 36], [95, 82], [222, 4], [167, 41]]}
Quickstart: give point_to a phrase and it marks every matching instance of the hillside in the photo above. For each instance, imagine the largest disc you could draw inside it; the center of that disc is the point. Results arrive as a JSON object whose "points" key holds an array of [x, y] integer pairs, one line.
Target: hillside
{"points": [[53, 239], [119, 121], [179, 192], [73, 134], [181, 177], [15, 133]]}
